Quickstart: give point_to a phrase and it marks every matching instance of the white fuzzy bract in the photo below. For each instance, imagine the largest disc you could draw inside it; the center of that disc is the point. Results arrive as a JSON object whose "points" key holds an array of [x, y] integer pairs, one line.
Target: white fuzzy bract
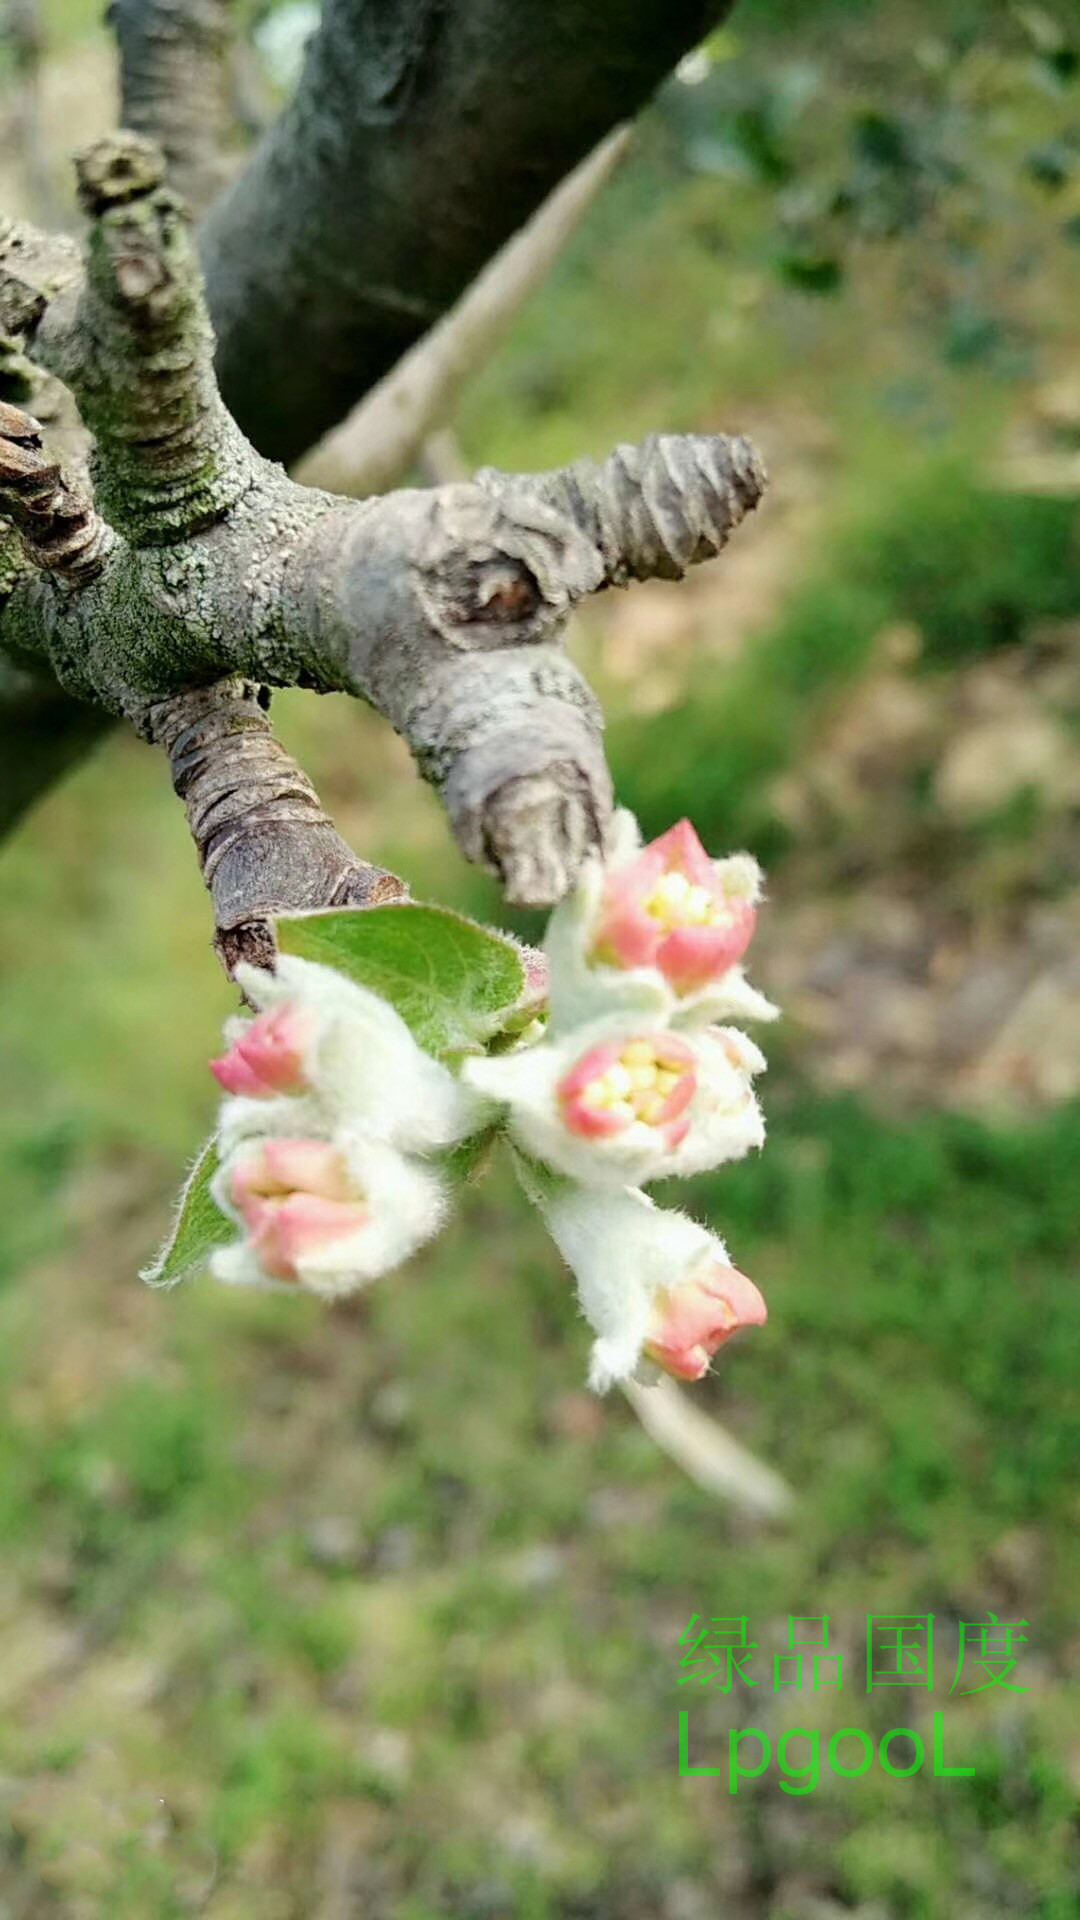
{"points": [[623, 1251], [363, 1068]]}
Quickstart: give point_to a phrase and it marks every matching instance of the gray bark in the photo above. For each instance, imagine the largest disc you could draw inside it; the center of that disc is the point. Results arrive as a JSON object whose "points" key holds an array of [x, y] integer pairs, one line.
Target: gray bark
{"points": [[385, 435], [422, 135], [265, 846], [175, 87], [444, 609]]}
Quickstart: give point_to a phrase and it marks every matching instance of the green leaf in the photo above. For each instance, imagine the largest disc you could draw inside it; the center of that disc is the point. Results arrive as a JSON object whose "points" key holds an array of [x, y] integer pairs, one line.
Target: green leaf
{"points": [[199, 1227], [453, 982], [465, 1163]]}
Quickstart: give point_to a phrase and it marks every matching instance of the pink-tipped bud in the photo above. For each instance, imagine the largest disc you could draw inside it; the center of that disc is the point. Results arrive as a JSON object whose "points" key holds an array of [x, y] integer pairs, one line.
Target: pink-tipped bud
{"points": [[649, 1080], [268, 1057], [674, 909], [296, 1198], [692, 1319], [288, 1232]]}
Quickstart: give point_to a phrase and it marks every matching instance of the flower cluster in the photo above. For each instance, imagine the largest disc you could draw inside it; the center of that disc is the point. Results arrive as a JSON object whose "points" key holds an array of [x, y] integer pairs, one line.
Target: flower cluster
{"points": [[639, 1078], [335, 1118], [326, 1135]]}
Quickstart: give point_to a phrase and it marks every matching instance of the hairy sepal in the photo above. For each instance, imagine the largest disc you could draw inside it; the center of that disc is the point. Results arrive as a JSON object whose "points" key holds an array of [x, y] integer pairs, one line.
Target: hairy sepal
{"points": [[199, 1228]]}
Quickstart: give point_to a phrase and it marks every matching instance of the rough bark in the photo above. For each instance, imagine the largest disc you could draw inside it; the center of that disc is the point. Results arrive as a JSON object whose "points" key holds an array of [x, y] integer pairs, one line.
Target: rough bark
{"points": [[175, 87], [422, 135], [264, 844], [443, 608], [59, 528]]}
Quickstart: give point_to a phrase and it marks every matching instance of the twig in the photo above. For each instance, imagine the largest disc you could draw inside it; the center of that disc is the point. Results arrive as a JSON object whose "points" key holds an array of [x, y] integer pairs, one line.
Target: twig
{"points": [[171, 459], [264, 843], [61, 531]]}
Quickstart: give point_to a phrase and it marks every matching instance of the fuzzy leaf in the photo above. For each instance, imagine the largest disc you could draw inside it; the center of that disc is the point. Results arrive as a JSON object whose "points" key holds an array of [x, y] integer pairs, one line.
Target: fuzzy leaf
{"points": [[199, 1227], [454, 983]]}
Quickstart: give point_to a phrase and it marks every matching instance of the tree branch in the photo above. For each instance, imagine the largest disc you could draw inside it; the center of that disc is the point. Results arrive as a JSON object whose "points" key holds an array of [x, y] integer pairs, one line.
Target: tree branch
{"points": [[168, 459], [24, 30], [264, 844], [59, 527], [383, 437], [175, 87], [654, 510], [422, 135], [444, 608]]}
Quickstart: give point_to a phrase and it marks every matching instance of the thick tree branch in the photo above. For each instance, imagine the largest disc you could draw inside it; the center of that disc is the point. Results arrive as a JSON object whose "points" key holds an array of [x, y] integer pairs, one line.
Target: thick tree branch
{"points": [[384, 436], [175, 87], [445, 609], [422, 135]]}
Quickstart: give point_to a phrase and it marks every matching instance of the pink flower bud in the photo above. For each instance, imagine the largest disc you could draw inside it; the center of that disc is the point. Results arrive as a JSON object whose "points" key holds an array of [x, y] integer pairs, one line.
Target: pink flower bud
{"points": [[268, 1057], [695, 1317], [672, 908], [649, 1079], [290, 1231], [296, 1198]]}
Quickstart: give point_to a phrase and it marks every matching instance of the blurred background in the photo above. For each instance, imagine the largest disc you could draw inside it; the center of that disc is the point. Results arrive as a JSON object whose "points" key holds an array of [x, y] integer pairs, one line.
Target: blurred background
{"points": [[307, 1615]]}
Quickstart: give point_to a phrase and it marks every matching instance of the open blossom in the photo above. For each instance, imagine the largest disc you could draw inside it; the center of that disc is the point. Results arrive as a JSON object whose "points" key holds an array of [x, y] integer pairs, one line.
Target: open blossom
{"points": [[346, 1054], [267, 1054], [691, 1319], [622, 1103], [622, 1082], [326, 1215], [673, 908], [650, 1281], [661, 927]]}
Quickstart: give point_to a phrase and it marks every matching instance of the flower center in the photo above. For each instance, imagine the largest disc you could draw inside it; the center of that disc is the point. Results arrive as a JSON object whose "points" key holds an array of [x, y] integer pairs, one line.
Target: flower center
{"points": [[640, 1084], [676, 901]]}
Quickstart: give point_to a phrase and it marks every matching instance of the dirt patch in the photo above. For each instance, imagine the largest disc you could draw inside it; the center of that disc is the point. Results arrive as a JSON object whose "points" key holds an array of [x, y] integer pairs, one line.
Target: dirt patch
{"points": [[925, 931]]}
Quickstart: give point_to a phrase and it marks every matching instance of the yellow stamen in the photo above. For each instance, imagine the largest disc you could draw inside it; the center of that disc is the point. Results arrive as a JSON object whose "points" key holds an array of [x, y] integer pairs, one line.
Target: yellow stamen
{"points": [[677, 902], [637, 1085]]}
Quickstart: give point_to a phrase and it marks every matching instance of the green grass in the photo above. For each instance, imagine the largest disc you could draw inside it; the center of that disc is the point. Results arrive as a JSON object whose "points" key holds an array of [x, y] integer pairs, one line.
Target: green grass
{"points": [[499, 1631], [968, 568]]}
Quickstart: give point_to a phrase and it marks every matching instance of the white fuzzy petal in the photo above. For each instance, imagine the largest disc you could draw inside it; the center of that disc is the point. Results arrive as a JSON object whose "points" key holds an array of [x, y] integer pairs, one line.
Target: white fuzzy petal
{"points": [[236, 1266], [729, 998], [282, 1117], [741, 877], [364, 1065], [624, 839], [408, 1204], [622, 1249]]}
